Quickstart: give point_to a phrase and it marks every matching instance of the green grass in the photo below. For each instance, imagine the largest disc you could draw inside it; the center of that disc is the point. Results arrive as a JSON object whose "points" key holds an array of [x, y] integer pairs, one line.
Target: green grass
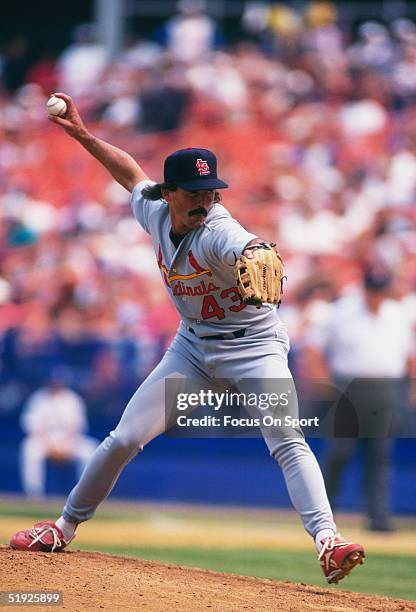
{"points": [[46, 511], [381, 575]]}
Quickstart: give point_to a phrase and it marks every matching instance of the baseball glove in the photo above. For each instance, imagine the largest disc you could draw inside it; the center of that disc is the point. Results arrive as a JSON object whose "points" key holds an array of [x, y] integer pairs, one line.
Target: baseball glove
{"points": [[260, 279]]}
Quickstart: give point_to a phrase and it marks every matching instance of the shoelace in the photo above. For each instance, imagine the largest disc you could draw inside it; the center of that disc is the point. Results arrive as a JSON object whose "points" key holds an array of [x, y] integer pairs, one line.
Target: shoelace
{"points": [[330, 544], [37, 534]]}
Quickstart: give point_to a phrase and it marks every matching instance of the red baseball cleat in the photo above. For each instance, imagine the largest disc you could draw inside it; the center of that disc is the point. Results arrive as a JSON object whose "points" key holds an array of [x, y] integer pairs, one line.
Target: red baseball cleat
{"points": [[44, 536], [338, 557]]}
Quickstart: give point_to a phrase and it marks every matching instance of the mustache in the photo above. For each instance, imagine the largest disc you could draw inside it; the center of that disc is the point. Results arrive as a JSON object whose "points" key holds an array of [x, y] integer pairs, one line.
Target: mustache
{"points": [[198, 211]]}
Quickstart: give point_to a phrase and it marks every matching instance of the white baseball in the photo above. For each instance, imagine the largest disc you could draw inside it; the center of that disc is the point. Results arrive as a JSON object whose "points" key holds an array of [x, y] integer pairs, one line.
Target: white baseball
{"points": [[56, 106]]}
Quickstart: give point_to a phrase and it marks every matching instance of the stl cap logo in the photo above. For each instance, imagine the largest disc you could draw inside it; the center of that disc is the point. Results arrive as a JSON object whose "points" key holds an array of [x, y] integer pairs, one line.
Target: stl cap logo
{"points": [[202, 167]]}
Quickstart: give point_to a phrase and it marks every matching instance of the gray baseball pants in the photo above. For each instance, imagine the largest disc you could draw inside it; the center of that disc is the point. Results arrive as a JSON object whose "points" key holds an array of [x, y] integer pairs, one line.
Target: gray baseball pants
{"points": [[260, 355]]}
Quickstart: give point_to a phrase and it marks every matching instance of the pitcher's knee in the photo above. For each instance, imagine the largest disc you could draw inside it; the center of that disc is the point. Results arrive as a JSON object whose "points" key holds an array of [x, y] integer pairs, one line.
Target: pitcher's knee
{"points": [[122, 444], [289, 448]]}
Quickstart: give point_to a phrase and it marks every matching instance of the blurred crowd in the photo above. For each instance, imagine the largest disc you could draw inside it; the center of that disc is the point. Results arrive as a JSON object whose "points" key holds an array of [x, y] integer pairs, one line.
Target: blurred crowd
{"points": [[315, 129]]}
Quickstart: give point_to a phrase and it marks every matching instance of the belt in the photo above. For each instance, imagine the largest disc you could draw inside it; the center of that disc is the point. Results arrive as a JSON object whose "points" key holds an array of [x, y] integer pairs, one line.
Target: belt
{"points": [[237, 334]]}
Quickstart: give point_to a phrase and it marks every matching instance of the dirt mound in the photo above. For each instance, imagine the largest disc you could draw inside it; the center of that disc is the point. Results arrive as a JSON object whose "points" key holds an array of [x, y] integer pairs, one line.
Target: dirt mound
{"points": [[94, 581]]}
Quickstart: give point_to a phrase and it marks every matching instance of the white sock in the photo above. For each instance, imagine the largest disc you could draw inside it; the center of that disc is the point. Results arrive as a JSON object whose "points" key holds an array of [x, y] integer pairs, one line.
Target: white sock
{"points": [[324, 533], [67, 528]]}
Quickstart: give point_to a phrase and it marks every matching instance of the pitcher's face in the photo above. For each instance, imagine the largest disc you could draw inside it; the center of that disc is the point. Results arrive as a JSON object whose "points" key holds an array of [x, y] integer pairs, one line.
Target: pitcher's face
{"points": [[188, 209]]}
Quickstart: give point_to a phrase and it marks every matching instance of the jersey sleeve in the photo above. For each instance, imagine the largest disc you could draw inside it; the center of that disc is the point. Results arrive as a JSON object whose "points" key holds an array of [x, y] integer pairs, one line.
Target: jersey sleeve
{"points": [[229, 240], [140, 206]]}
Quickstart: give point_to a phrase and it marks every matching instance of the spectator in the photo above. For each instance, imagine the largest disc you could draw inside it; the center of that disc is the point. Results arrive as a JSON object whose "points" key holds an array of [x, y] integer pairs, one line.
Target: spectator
{"points": [[190, 35], [163, 101], [82, 64]]}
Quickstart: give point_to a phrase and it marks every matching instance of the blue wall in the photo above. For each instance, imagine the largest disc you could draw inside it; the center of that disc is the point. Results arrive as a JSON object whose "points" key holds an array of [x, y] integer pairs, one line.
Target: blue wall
{"points": [[212, 471]]}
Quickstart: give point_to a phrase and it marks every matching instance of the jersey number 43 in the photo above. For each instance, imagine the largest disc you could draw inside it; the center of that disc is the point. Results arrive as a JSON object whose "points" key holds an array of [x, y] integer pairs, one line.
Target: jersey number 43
{"points": [[211, 308]]}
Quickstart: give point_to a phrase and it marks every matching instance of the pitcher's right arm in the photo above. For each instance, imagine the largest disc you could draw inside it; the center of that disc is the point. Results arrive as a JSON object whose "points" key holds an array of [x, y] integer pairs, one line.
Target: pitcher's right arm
{"points": [[124, 169]]}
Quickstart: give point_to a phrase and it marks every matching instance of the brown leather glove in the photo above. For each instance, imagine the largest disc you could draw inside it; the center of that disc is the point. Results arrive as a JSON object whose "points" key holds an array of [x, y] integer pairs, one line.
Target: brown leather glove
{"points": [[260, 279]]}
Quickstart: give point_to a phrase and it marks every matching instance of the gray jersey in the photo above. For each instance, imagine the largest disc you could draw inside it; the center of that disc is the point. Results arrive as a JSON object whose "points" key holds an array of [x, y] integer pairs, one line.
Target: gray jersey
{"points": [[199, 274]]}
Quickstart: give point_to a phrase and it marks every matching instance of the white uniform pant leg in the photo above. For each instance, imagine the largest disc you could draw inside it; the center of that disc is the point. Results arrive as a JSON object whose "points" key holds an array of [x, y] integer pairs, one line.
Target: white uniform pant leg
{"points": [[33, 455], [143, 419]]}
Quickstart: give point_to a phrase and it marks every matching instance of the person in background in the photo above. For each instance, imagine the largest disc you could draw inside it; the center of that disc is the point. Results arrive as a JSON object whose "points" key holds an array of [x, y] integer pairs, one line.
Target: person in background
{"points": [[191, 34], [54, 420], [82, 64], [366, 348]]}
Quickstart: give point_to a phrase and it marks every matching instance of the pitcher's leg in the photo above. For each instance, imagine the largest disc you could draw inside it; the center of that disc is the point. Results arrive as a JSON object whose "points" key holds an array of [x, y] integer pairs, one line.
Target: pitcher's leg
{"points": [[143, 419], [286, 444], [305, 484]]}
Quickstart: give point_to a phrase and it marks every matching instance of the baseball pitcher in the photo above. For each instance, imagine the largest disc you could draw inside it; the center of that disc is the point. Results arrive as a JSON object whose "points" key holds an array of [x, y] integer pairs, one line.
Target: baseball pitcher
{"points": [[225, 283]]}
